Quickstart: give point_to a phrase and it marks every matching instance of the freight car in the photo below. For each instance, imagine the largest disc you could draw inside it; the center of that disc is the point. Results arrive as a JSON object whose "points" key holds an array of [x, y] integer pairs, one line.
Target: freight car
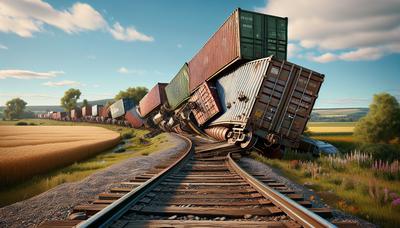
{"points": [[244, 36], [268, 99], [238, 88]]}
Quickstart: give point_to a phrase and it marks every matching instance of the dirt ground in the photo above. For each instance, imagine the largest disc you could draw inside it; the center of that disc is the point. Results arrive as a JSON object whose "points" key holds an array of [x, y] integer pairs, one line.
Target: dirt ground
{"points": [[57, 203], [29, 150]]}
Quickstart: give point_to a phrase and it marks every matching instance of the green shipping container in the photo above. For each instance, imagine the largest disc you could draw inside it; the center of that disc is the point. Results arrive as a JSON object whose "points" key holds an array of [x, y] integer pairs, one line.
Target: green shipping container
{"points": [[262, 35], [177, 90]]}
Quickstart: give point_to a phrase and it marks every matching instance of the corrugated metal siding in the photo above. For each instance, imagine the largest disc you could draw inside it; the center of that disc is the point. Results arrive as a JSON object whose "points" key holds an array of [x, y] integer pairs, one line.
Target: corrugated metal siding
{"points": [[132, 116], [154, 99], [244, 35], [221, 49], [285, 101], [238, 90], [96, 110], [119, 107], [207, 105], [177, 91], [299, 105]]}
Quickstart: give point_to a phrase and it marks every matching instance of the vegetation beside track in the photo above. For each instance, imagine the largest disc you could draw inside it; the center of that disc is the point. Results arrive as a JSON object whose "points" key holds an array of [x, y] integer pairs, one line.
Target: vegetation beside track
{"points": [[354, 182], [135, 145]]}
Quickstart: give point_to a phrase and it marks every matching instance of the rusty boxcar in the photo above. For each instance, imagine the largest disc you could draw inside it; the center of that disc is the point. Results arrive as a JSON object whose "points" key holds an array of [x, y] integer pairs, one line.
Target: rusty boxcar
{"points": [[153, 99], [268, 99]]}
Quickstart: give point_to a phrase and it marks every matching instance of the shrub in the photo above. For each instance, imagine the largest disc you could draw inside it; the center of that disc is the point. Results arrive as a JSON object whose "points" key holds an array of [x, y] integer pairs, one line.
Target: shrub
{"points": [[21, 123], [127, 135], [294, 164], [384, 152], [32, 124]]}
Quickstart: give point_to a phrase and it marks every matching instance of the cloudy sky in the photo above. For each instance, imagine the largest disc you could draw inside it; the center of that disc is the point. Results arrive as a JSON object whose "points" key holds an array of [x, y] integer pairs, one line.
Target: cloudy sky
{"points": [[104, 46]]}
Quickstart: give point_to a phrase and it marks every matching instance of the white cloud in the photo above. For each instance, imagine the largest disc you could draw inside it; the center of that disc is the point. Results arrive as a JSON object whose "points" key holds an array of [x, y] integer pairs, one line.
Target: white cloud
{"points": [[3, 47], [62, 83], [128, 34], [26, 17], [324, 58], [369, 53], [25, 74], [124, 70], [179, 45], [348, 30]]}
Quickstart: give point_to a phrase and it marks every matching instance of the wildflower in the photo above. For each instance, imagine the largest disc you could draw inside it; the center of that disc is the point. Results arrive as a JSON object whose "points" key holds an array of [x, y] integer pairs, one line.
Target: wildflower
{"points": [[396, 202]]}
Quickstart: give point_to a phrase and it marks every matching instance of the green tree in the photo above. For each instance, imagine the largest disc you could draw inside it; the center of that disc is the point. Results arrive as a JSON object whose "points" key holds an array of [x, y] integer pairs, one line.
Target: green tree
{"points": [[382, 123], [134, 93], [85, 103], [14, 108], [70, 98]]}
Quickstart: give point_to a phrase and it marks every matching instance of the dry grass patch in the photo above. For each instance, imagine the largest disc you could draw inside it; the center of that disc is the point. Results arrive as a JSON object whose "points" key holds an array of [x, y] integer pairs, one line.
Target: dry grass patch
{"points": [[29, 150]]}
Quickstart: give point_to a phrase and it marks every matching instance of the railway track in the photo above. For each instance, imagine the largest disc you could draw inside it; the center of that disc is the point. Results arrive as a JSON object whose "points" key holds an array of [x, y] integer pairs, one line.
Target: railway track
{"points": [[201, 186]]}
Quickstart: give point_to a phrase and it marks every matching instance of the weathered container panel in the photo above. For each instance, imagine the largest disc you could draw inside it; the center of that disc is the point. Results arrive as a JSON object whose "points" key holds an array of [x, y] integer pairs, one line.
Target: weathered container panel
{"points": [[238, 90], [133, 117], [76, 113], [105, 112], [87, 110], [153, 99], [269, 96], [285, 101], [119, 107], [244, 36], [177, 91], [299, 104], [206, 103], [96, 110]]}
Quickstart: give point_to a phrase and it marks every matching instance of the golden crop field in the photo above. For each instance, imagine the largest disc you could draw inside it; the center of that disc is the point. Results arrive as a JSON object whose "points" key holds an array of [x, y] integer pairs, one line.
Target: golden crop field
{"points": [[331, 127], [29, 150]]}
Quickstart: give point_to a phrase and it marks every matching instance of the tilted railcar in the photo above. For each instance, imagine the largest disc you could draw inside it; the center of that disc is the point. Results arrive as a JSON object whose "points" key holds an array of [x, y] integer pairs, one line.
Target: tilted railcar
{"points": [[268, 99]]}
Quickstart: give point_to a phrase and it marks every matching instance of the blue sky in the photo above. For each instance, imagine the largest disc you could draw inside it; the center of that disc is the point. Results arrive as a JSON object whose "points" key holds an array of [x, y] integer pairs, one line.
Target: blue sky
{"points": [[102, 46]]}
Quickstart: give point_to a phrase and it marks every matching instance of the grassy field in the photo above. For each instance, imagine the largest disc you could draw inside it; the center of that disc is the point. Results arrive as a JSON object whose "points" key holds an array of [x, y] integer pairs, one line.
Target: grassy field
{"points": [[351, 182], [79, 170]]}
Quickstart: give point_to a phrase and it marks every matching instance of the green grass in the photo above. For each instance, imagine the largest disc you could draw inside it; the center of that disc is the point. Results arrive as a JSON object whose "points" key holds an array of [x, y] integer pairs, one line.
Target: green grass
{"points": [[346, 189], [78, 171]]}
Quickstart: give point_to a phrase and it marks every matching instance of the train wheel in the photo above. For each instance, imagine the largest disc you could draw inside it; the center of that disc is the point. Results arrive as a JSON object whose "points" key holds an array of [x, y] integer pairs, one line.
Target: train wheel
{"points": [[251, 140]]}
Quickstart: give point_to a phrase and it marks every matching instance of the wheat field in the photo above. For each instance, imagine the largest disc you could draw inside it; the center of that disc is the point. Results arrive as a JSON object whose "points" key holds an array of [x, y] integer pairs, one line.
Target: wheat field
{"points": [[29, 150]]}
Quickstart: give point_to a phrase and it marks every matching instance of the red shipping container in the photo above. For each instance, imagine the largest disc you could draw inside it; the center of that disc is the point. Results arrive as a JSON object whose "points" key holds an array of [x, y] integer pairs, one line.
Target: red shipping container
{"points": [[132, 116], [153, 99], [221, 49], [207, 105], [105, 112], [87, 110]]}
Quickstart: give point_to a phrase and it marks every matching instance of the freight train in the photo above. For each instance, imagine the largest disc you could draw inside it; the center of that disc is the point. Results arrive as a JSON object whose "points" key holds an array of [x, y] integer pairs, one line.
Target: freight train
{"points": [[238, 88]]}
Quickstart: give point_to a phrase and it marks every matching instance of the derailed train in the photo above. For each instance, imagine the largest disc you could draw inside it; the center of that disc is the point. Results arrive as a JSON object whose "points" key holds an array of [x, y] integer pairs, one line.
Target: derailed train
{"points": [[238, 88]]}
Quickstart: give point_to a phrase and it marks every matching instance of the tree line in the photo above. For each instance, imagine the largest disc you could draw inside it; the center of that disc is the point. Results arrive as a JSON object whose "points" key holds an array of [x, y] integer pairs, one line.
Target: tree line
{"points": [[15, 108], [380, 125]]}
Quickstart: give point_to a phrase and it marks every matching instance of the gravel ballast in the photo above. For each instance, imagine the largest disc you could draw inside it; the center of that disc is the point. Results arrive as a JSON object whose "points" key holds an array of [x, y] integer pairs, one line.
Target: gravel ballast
{"points": [[57, 203], [252, 165]]}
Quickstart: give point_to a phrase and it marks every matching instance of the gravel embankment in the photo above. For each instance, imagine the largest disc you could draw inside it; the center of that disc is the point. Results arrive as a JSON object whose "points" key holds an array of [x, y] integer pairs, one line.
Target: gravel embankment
{"points": [[338, 216], [57, 203]]}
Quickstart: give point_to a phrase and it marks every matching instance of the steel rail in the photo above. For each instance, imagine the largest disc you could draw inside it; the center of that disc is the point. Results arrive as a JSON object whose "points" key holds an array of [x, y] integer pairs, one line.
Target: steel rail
{"points": [[115, 210], [297, 212]]}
